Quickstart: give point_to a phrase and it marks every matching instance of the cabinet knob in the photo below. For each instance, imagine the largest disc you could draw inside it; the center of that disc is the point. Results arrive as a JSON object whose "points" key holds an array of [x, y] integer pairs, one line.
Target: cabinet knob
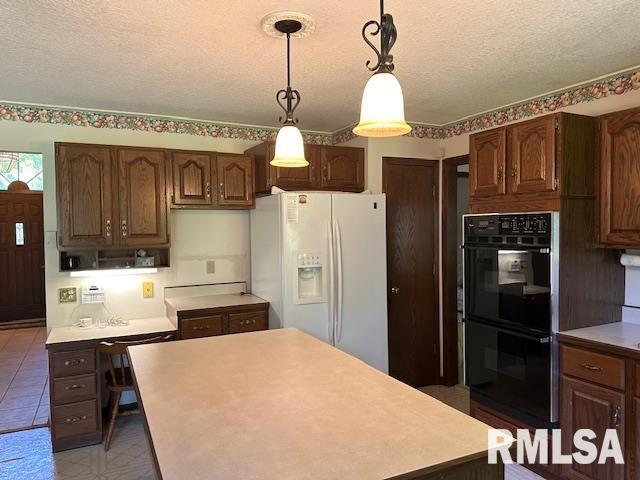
{"points": [[124, 228], [108, 228], [395, 290], [208, 190]]}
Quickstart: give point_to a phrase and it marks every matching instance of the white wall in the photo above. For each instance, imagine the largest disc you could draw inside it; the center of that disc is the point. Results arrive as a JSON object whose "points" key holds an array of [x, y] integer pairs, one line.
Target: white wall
{"points": [[196, 236]]}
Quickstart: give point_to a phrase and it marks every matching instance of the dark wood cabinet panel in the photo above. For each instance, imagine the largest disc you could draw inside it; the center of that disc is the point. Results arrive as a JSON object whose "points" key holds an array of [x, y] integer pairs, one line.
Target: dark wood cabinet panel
{"points": [[590, 406], [619, 182], [342, 168], [84, 189], [198, 327], [303, 178], [531, 155], [594, 367], [192, 178], [142, 197], [487, 157], [235, 180]]}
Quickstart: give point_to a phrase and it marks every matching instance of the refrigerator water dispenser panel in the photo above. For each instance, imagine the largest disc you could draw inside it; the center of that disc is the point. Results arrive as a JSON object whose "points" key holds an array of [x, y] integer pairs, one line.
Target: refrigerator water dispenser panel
{"points": [[309, 278]]}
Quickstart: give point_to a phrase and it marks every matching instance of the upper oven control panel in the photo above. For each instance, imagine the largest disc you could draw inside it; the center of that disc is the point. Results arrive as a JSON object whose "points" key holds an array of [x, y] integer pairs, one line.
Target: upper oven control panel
{"points": [[525, 224]]}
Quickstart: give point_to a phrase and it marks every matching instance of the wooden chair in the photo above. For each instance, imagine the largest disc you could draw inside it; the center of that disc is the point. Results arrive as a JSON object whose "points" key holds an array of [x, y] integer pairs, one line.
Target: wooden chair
{"points": [[119, 377]]}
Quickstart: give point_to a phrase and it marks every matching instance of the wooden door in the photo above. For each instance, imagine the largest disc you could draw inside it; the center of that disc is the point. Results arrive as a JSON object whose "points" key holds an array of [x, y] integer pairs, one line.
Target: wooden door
{"points": [[487, 163], [619, 196], [586, 405], [342, 168], [192, 181], [21, 256], [532, 155], [412, 232], [302, 178], [235, 180], [84, 189], [142, 197]]}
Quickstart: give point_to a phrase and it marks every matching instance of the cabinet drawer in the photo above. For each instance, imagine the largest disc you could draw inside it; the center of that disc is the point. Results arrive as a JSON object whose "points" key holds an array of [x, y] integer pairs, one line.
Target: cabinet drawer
{"points": [[201, 327], [594, 367], [66, 364], [73, 388], [75, 419], [247, 322]]}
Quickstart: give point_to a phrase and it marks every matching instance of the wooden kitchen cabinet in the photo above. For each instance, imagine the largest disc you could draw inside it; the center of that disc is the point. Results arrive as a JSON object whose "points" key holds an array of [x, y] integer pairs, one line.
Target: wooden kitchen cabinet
{"points": [[530, 166], [235, 180], [86, 216], [330, 168], [193, 180], [209, 322], [619, 179], [142, 197], [487, 157], [532, 155]]}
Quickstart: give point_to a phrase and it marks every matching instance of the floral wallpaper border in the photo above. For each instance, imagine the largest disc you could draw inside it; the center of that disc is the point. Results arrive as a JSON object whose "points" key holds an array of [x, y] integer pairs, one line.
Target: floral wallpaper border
{"points": [[618, 84], [123, 121]]}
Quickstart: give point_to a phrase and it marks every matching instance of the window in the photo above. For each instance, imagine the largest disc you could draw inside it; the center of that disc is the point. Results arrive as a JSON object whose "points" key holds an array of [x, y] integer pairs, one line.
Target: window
{"points": [[26, 167]]}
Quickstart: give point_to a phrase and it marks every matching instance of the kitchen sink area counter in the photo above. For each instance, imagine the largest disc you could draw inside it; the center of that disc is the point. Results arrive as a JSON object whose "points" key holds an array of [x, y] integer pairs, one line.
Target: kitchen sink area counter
{"points": [[205, 302], [282, 404]]}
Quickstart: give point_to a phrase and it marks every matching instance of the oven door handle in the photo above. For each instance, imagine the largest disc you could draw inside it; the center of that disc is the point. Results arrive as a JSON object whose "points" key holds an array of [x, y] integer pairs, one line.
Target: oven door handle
{"points": [[512, 332]]}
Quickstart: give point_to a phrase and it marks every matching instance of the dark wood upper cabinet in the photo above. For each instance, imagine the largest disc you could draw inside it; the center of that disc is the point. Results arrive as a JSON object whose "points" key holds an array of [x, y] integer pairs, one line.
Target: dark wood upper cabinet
{"points": [[532, 155], [619, 179], [235, 180], [589, 406], [330, 168], [142, 197], [487, 163], [84, 188], [342, 168], [193, 183]]}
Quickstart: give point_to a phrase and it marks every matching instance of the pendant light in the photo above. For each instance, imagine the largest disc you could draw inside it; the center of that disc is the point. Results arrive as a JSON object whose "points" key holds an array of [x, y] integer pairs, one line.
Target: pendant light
{"points": [[289, 151], [382, 110]]}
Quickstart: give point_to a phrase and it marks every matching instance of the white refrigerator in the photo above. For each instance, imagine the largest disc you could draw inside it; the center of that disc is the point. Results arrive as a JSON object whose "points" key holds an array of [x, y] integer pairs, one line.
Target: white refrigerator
{"points": [[319, 258]]}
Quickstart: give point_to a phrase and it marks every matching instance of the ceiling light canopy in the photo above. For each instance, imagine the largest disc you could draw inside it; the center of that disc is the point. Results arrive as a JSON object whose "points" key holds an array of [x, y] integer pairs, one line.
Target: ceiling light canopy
{"points": [[382, 110], [289, 151]]}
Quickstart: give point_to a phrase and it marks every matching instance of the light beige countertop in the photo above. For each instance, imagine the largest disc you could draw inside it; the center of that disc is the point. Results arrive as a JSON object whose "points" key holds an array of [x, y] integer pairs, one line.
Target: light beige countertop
{"points": [[623, 335], [136, 327], [279, 404], [203, 302]]}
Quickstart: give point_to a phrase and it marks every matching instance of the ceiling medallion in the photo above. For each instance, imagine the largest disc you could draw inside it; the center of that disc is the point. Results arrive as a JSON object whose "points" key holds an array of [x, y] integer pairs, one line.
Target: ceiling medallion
{"points": [[307, 24]]}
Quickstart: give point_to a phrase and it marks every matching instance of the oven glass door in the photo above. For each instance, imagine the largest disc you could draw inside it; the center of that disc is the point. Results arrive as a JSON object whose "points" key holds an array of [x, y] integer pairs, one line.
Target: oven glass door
{"points": [[509, 286], [509, 367]]}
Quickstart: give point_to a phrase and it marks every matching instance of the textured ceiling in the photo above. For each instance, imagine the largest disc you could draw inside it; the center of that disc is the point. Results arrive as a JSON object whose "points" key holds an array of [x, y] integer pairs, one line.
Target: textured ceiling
{"points": [[210, 59]]}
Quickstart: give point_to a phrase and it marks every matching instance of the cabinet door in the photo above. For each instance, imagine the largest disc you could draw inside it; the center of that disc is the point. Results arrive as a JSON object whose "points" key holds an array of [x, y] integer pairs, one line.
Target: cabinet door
{"points": [[532, 156], [487, 163], [585, 405], [142, 190], [342, 168], [191, 178], [303, 178], [85, 208], [235, 180], [619, 196]]}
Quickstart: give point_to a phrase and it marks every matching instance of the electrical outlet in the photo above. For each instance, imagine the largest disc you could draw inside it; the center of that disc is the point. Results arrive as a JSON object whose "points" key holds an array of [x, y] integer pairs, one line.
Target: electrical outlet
{"points": [[67, 295], [147, 290], [211, 266]]}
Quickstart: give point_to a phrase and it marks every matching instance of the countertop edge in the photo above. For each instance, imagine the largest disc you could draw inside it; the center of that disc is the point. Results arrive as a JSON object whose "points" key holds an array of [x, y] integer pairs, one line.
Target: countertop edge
{"points": [[602, 346]]}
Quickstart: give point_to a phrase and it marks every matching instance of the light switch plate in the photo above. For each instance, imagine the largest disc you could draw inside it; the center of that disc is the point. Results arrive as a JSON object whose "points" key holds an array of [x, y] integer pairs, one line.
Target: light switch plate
{"points": [[211, 266], [147, 290], [50, 239], [67, 295]]}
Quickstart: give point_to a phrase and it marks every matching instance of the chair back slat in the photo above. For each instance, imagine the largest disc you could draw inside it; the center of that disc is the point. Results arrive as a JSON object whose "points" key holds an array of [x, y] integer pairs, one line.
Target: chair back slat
{"points": [[118, 359]]}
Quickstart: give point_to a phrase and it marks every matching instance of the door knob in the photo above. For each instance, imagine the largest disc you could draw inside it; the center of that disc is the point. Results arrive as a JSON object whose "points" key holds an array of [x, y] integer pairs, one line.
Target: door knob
{"points": [[395, 290]]}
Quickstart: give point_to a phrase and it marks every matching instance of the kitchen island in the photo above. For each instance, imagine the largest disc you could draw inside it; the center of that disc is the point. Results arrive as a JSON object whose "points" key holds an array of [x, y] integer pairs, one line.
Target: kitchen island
{"points": [[279, 404]]}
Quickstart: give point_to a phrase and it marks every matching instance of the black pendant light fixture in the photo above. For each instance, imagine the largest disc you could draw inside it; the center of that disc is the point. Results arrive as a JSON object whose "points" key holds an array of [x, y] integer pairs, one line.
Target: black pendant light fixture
{"points": [[382, 110], [289, 151]]}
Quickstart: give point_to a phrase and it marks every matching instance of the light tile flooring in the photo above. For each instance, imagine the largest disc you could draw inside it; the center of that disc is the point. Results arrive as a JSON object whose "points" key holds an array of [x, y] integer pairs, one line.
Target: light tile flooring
{"points": [[24, 389]]}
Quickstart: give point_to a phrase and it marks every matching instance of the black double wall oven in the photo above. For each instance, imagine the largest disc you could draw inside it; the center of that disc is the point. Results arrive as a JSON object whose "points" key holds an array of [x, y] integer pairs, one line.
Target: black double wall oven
{"points": [[510, 278]]}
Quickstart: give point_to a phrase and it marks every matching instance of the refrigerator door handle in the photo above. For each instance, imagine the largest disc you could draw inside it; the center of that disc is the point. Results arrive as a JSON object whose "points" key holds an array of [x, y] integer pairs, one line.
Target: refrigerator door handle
{"points": [[339, 289], [331, 291]]}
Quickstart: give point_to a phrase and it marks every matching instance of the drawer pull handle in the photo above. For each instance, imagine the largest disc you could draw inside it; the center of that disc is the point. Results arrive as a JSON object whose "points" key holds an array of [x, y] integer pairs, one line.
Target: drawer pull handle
{"points": [[593, 368], [248, 322], [75, 419], [205, 327], [74, 362], [75, 386]]}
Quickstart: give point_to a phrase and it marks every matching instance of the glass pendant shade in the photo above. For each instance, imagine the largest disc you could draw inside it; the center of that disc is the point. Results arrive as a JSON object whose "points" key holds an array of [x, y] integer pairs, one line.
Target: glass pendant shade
{"points": [[289, 148], [382, 111]]}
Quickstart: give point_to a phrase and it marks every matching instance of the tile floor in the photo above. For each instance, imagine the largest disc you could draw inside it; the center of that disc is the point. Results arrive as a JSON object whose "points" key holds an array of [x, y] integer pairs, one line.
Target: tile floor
{"points": [[24, 387]]}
